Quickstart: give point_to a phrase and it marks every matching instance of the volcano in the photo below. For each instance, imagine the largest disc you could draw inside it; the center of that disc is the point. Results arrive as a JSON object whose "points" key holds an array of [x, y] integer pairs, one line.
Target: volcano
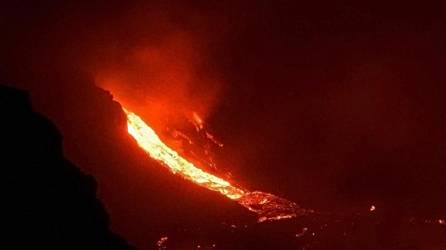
{"points": [[223, 125]]}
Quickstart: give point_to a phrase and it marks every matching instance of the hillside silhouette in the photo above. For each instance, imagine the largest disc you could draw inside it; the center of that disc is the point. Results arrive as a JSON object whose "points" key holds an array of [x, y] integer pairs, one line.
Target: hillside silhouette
{"points": [[51, 204]]}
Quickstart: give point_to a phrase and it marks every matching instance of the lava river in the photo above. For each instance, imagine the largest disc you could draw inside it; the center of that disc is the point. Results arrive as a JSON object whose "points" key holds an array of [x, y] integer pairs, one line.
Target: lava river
{"points": [[265, 205]]}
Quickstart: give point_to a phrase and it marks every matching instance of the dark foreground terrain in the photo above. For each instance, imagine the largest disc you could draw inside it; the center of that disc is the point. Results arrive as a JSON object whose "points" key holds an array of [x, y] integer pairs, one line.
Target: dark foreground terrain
{"points": [[51, 204]]}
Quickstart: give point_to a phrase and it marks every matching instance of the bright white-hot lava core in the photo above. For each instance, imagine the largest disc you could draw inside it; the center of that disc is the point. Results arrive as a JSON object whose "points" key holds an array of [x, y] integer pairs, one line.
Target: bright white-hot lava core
{"points": [[148, 140], [267, 206]]}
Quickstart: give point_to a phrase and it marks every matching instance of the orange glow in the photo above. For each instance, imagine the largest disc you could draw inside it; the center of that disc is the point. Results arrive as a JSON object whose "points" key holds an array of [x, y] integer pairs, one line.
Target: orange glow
{"points": [[148, 140], [267, 206]]}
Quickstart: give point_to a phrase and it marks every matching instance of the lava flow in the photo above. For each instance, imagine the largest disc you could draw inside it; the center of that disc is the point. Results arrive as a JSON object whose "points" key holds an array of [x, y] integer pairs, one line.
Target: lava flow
{"points": [[267, 206]]}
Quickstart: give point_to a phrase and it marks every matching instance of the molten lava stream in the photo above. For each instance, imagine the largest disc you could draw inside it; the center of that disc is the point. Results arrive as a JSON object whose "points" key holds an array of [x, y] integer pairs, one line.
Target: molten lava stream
{"points": [[267, 206]]}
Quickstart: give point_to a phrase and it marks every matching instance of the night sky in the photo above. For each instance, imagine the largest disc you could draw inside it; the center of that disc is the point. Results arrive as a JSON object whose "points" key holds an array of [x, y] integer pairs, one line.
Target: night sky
{"points": [[336, 106]]}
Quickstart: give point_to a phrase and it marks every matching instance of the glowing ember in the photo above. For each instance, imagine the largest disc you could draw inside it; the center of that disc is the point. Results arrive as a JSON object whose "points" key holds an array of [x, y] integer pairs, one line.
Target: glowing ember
{"points": [[267, 206], [161, 242], [197, 121], [302, 233]]}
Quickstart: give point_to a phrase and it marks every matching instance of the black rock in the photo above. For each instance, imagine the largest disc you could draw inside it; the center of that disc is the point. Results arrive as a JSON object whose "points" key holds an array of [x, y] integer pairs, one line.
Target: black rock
{"points": [[50, 203]]}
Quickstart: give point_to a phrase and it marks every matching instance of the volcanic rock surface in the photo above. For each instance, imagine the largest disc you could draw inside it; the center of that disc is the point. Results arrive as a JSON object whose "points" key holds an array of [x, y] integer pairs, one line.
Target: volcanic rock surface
{"points": [[51, 203]]}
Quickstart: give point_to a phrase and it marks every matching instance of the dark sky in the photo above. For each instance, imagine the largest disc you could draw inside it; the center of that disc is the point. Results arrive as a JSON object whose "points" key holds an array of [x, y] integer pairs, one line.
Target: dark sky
{"points": [[335, 106]]}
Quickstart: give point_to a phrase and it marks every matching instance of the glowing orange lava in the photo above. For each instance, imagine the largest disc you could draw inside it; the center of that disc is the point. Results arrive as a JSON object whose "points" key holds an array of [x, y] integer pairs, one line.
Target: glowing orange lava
{"points": [[148, 140], [267, 206]]}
